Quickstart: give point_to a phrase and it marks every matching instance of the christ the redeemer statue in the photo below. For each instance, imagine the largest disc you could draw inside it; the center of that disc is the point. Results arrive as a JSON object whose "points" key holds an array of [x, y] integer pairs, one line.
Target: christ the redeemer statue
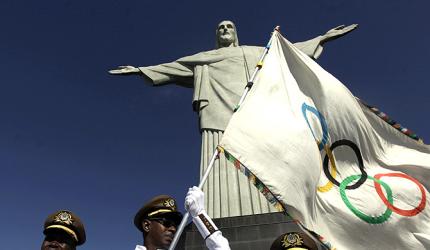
{"points": [[218, 78]]}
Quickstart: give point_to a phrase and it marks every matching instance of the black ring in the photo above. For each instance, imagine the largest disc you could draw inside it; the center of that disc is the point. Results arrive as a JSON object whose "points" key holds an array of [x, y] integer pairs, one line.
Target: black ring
{"points": [[357, 152]]}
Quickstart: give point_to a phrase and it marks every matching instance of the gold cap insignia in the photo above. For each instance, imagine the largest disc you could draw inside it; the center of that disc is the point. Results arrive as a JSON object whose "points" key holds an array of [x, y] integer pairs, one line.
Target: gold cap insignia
{"points": [[292, 240], [170, 203], [64, 217]]}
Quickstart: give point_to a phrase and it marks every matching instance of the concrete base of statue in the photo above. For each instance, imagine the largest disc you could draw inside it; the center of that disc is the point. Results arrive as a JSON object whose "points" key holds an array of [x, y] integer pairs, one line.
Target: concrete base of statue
{"points": [[250, 232]]}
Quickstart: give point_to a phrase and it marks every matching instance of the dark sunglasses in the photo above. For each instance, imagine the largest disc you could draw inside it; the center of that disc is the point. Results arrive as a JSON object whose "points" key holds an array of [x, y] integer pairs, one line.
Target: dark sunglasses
{"points": [[165, 222]]}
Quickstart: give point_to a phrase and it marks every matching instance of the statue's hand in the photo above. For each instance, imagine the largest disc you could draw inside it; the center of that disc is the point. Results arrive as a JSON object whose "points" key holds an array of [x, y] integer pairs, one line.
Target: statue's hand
{"points": [[122, 70], [338, 31]]}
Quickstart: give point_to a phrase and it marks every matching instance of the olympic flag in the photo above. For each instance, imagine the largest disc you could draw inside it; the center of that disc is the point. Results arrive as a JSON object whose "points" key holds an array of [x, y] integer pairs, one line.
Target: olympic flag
{"points": [[328, 159]]}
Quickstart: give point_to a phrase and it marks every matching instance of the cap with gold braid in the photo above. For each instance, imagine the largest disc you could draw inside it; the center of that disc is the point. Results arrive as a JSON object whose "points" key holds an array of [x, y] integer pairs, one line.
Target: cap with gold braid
{"points": [[159, 206], [294, 241], [68, 222]]}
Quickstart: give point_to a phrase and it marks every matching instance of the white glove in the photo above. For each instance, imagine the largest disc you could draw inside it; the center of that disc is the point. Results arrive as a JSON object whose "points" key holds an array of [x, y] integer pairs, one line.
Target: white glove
{"points": [[194, 202]]}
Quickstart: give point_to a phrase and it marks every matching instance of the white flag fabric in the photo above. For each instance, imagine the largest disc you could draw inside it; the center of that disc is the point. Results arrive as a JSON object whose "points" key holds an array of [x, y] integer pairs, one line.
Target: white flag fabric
{"points": [[328, 159]]}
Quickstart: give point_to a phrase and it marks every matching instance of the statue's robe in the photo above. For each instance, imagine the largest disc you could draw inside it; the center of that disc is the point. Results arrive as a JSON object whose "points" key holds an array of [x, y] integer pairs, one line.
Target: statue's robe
{"points": [[218, 78]]}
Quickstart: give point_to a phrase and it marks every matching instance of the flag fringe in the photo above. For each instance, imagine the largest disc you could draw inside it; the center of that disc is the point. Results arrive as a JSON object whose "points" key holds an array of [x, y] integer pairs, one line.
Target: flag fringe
{"points": [[254, 180], [392, 122]]}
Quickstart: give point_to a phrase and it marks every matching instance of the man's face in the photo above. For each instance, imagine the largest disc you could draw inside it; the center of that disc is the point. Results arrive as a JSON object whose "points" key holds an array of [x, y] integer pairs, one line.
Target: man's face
{"points": [[226, 34], [58, 240], [161, 231]]}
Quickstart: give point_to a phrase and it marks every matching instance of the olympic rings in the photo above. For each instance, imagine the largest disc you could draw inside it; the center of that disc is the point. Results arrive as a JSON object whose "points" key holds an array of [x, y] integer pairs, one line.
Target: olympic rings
{"points": [[331, 175], [390, 205], [329, 156], [367, 218], [322, 123], [357, 152]]}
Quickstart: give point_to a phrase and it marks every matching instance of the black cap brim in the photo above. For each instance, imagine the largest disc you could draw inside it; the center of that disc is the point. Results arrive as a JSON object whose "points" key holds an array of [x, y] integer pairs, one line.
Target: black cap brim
{"points": [[172, 215]]}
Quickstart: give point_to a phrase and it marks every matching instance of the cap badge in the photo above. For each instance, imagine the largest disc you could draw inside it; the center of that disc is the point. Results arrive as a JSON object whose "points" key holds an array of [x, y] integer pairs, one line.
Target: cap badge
{"points": [[169, 203], [64, 217], [292, 240]]}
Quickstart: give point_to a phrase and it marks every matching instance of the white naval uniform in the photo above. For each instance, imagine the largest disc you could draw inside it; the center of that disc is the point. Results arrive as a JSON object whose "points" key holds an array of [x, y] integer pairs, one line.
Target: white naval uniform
{"points": [[217, 242], [209, 231]]}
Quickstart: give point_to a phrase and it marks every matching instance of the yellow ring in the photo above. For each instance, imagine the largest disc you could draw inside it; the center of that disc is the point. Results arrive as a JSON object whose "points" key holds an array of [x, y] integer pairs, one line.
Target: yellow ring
{"points": [[329, 184]]}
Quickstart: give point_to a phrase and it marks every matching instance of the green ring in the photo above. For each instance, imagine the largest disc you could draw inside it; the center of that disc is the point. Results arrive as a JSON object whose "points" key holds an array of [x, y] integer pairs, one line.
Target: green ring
{"points": [[367, 218]]}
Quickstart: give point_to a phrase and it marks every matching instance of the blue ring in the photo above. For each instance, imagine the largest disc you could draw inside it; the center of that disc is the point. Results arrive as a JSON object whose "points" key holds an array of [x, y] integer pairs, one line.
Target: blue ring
{"points": [[323, 123]]}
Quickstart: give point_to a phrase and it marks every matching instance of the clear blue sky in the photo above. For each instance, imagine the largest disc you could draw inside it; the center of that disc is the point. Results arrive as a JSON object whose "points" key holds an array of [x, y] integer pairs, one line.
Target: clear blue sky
{"points": [[74, 137]]}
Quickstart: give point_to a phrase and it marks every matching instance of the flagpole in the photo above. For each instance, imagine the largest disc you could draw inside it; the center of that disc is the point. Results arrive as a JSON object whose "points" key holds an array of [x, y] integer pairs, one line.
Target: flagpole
{"points": [[257, 68], [185, 219], [181, 226]]}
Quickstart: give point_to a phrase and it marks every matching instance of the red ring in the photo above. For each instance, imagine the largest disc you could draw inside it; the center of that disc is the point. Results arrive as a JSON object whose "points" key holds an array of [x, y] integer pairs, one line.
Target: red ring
{"points": [[403, 212]]}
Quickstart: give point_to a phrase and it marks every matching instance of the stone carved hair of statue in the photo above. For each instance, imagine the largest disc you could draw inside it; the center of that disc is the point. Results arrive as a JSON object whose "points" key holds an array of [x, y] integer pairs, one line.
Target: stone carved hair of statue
{"points": [[236, 39]]}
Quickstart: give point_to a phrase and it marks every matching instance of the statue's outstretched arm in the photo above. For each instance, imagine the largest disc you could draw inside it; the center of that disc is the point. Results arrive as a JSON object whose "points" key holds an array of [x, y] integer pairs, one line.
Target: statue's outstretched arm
{"points": [[314, 47], [337, 32], [166, 73], [125, 70]]}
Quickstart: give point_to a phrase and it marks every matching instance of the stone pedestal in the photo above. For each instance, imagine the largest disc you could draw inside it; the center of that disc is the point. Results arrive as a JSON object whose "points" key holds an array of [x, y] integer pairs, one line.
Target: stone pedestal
{"points": [[251, 232]]}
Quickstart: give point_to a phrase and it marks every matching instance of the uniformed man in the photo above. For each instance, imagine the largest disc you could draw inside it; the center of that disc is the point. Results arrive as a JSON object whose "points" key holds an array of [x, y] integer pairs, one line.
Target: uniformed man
{"points": [[294, 241], [63, 231], [194, 204], [157, 220]]}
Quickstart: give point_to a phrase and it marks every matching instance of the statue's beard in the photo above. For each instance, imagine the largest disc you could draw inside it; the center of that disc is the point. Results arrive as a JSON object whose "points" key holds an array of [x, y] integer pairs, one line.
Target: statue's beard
{"points": [[226, 40]]}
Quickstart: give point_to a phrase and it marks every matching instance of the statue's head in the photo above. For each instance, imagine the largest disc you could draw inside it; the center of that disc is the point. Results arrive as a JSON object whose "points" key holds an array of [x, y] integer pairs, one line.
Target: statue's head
{"points": [[226, 35]]}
